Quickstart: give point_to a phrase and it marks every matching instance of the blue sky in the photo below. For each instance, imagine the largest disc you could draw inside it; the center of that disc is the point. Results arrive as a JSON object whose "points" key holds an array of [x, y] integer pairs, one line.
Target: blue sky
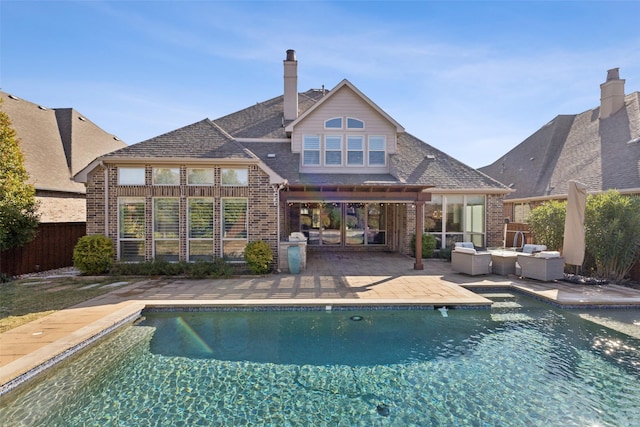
{"points": [[473, 79]]}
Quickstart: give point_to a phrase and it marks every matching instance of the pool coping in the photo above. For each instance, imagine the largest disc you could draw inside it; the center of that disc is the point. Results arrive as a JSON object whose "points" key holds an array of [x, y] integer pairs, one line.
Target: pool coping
{"points": [[396, 284], [28, 367]]}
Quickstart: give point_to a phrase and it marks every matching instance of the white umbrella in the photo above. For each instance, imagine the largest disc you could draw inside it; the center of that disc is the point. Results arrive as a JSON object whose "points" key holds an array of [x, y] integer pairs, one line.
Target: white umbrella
{"points": [[573, 246]]}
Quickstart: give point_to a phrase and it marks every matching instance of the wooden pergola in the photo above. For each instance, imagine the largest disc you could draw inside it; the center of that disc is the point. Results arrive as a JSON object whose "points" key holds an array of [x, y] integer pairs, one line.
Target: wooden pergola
{"points": [[369, 192]]}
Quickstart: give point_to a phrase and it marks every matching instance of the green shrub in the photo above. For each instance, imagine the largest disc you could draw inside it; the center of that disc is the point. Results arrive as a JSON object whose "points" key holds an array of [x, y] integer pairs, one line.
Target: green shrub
{"points": [[445, 253], [612, 233], [258, 256], [546, 222], [195, 270], [93, 254], [428, 245]]}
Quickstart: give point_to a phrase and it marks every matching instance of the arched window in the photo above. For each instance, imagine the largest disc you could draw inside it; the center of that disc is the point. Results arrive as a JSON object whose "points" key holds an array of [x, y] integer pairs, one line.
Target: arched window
{"points": [[354, 123], [335, 123]]}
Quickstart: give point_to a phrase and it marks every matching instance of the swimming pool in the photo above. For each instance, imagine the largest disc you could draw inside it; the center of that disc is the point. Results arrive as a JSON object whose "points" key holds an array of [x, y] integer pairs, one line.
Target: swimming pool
{"points": [[520, 363]]}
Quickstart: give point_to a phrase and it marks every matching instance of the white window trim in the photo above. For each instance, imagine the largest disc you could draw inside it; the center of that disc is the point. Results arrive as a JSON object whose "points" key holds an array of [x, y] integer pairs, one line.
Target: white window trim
{"points": [[234, 185], [384, 150], [464, 233], [362, 150], [140, 168], [359, 120], [119, 219], [201, 239], [319, 150], [153, 176], [206, 183], [342, 123], [340, 150], [153, 226], [222, 221]]}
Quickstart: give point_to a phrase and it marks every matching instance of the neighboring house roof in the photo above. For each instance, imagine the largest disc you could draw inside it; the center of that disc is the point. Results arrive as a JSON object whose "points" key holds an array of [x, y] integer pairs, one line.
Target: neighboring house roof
{"points": [[200, 140], [56, 143], [599, 153]]}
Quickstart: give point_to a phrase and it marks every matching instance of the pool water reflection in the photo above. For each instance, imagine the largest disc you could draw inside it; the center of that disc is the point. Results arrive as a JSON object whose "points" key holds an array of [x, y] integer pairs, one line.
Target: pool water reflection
{"points": [[520, 363]]}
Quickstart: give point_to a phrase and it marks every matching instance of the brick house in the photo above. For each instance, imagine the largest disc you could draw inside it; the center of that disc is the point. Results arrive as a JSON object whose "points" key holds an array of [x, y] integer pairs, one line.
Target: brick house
{"points": [[599, 148], [329, 164]]}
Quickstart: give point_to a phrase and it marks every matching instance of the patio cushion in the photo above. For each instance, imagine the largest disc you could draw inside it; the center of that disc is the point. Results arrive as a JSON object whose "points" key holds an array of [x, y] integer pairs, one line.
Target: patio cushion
{"points": [[464, 245], [465, 250], [549, 254], [529, 248]]}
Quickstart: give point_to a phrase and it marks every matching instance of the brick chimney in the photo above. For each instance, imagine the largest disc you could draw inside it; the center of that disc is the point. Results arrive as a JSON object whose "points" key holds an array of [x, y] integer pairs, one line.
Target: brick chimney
{"points": [[611, 94], [291, 86]]}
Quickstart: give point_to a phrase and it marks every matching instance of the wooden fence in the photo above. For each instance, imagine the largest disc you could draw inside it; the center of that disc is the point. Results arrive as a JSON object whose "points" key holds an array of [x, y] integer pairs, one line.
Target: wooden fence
{"points": [[52, 248]]}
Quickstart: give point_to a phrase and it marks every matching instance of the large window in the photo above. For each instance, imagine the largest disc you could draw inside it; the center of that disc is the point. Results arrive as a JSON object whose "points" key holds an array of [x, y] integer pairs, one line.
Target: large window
{"points": [[348, 224], [333, 150], [234, 228], [200, 229], [311, 150], [166, 176], [200, 176], [131, 229], [238, 177], [131, 176], [166, 228], [355, 150], [456, 218], [377, 151]]}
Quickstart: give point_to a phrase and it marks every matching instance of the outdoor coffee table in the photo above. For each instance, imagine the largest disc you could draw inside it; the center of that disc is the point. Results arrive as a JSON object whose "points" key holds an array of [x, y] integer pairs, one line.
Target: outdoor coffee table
{"points": [[503, 261]]}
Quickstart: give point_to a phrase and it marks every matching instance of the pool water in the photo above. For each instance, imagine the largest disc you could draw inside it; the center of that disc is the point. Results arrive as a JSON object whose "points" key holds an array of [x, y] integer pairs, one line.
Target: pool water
{"points": [[522, 363]]}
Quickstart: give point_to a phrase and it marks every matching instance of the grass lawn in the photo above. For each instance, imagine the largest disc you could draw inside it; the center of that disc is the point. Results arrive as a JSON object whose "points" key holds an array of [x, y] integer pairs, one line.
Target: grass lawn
{"points": [[25, 300]]}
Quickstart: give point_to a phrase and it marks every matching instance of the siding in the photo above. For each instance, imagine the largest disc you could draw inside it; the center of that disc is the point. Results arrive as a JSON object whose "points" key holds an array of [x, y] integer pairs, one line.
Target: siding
{"points": [[345, 103]]}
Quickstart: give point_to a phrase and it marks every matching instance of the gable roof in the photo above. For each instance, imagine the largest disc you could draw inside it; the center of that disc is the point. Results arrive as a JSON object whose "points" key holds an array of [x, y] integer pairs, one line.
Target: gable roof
{"points": [[343, 84], [56, 143], [596, 152], [201, 140]]}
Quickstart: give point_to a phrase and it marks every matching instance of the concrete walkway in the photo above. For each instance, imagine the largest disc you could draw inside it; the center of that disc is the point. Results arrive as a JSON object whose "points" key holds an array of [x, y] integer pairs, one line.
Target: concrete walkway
{"points": [[352, 279]]}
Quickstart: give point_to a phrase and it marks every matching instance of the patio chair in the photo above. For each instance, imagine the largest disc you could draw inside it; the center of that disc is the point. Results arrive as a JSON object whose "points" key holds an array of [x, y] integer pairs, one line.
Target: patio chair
{"points": [[466, 259], [545, 266]]}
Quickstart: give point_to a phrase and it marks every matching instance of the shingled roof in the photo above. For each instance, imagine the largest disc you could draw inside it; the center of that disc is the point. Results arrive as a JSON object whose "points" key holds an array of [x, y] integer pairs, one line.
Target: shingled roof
{"points": [[265, 119], [414, 163], [56, 143], [601, 153], [200, 140]]}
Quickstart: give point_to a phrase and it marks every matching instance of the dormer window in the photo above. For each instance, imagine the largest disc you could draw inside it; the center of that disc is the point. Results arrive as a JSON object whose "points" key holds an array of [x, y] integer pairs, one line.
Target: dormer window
{"points": [[354, 123], [335, 123]]}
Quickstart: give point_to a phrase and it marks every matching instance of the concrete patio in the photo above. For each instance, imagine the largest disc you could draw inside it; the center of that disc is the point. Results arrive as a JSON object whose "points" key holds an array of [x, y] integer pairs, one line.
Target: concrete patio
{"points": [[352, 279]]}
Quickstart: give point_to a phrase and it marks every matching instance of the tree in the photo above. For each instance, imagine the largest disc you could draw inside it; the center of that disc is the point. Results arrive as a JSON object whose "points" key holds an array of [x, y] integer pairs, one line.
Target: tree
{"points": [[612, 233], [547, 224], [18, 207]]}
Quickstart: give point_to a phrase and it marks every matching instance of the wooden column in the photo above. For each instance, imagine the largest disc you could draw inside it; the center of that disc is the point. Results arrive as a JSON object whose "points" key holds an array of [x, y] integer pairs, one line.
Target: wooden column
{"points": [[419, 230]]}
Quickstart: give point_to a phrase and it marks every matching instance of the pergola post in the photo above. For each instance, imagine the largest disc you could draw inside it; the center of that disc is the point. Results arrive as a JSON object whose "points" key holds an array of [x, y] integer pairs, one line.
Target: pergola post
{"points": [[419, 230]]}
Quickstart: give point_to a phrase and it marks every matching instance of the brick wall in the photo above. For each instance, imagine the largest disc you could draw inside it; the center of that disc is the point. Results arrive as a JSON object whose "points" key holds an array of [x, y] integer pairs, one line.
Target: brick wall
{"points": [[262, 205], [495, 220]]}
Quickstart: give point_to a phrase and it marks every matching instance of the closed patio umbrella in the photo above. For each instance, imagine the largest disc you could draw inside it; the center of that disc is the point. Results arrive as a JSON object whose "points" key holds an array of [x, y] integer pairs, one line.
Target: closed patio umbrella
{"points": [[574, 246]]}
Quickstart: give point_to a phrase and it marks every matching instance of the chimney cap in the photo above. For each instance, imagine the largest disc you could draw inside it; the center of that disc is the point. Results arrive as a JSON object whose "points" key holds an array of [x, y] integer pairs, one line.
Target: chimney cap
{"points": [[613, 74], [291, 55]]}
